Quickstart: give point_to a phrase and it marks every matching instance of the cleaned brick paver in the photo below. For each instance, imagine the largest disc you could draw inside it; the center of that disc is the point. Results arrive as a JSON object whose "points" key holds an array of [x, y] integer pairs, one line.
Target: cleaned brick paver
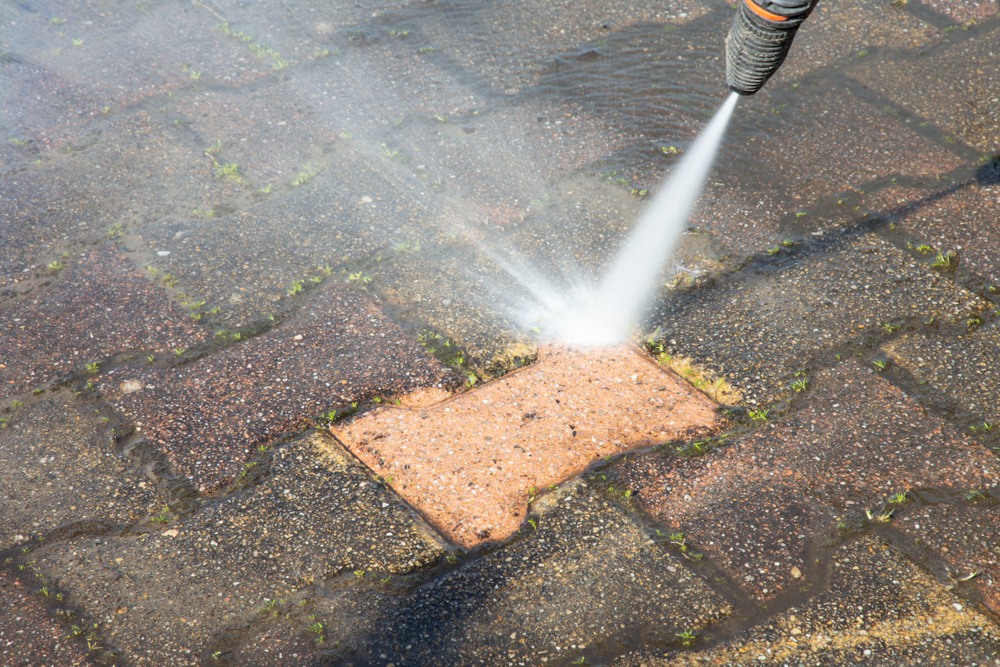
{"points": [[471, 463]]}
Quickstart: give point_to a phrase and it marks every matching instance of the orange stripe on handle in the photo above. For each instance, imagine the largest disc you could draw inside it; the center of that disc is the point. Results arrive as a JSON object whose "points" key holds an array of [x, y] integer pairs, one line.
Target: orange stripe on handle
{"points": [[763, 13]]}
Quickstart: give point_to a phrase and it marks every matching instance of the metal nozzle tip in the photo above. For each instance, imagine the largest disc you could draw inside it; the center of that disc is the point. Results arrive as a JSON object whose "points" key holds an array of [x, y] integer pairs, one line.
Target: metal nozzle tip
{"points": [[739, 91]]}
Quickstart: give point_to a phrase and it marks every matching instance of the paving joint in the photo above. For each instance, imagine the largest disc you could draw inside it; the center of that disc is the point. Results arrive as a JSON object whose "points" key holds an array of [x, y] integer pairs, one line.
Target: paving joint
{"points": [[922, 12], [939, 136]]}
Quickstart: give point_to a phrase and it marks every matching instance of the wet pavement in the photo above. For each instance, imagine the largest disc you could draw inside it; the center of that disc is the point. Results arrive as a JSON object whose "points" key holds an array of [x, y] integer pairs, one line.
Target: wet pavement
{"points": [[30, 635], [97, 307], [210, 414], [63, 476], [762, 504], [878, 609], [773, 320], [273, 541], [266, 396]]}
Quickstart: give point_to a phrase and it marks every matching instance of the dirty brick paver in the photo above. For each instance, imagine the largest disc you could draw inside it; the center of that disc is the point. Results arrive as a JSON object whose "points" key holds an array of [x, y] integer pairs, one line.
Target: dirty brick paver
{"points": [[538, 32], [29, 633], [317, 515], [959, 541], [585, 576], [280, 644], [120, 62], [330, 184], [958, 89], [757, 505], [838, 30], [101, 307], [965, 12], [208, 416], [769, 322], [471, 463], [811, 159], [75, 198], [287, 519], [346, 215], [57, 472], [960, 368], [964, 220], [880, 609]]}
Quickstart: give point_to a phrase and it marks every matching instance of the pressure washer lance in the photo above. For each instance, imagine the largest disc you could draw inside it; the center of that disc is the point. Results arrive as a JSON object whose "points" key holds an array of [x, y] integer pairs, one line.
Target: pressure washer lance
{"points": [[759, 40]]}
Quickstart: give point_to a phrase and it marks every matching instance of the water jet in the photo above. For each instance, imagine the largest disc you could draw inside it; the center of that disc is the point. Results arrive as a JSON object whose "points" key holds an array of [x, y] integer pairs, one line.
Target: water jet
{"points": [[601, 314]]}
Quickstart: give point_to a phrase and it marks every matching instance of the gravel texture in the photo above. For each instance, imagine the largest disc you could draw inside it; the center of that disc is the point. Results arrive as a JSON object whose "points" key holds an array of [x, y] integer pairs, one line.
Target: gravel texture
{"points": [[440, 292], [759, 505], [837, 31], [98, 307], [774, 319], [797, 171], [957, 368], [279, 132], [580, 579], [59, 473], [275, 645], [317, 514], [123, 59], [91, 190], [29, 632], [500, 166], [958, 89], [471, 463], [39, 108], [957, 540], [388, 158], [211, 415], [963, 222], [533, 35], [286, 519], [879, 610], [348, 214], [549, 243], [964, 12]]}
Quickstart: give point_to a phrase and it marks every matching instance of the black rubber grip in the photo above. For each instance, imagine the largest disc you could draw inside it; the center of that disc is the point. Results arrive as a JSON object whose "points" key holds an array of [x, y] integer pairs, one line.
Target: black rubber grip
{"points": [[757, 46]]}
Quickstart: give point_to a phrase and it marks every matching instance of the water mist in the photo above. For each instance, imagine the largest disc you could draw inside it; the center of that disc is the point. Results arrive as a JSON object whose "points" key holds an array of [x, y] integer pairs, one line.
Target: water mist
{"points": [[601, 315]]}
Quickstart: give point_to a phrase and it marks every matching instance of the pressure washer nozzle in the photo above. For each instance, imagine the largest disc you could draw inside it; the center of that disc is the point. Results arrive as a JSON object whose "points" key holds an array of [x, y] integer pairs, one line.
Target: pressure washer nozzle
{"points": [[759, 40]]}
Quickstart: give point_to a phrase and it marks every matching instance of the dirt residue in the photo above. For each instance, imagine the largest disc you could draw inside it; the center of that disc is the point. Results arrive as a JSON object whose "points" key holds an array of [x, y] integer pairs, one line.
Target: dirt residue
{"points": [[208, 416], [754, 504]]}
